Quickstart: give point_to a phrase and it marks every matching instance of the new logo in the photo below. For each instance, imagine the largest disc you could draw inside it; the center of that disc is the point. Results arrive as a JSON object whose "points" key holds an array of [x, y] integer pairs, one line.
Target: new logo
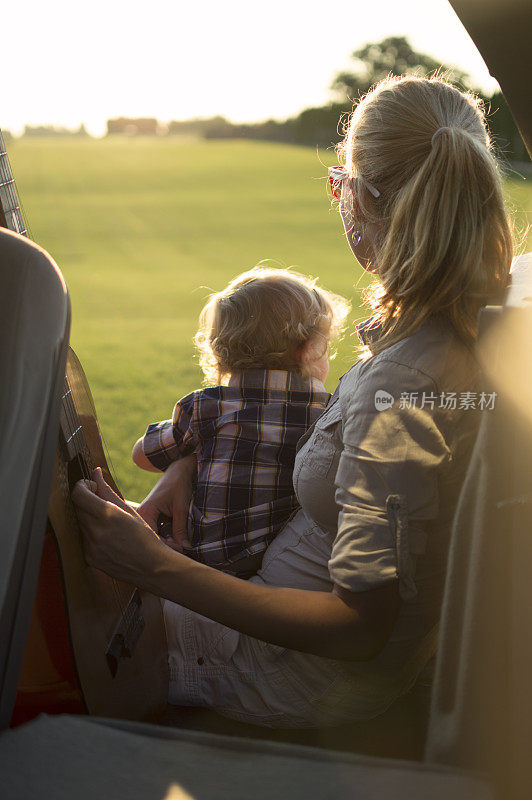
{"points": [[383, 400]]}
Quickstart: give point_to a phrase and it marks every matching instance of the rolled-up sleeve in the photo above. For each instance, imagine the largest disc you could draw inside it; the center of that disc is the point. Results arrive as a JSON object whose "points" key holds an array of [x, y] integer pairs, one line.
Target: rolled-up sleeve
{"points": [[387, 478], [171, 439]]}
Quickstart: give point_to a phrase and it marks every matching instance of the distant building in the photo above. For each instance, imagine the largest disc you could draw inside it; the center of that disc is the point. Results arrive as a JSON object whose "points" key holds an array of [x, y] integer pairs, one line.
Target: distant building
{"points": [[144, 126]]}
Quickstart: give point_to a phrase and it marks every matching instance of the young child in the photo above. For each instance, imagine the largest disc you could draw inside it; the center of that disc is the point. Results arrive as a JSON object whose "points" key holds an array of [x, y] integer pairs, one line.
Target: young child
{"points": [[263, 343]]}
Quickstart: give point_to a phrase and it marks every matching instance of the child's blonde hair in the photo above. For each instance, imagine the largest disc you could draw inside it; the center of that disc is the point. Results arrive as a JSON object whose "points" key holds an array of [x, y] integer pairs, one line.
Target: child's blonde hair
{"points": [[261, 320], [443, 242]]}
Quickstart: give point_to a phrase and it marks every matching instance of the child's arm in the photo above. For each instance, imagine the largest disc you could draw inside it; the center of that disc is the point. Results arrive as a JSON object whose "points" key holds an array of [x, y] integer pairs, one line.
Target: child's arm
{"points": [[167, 441], [140, 459]]}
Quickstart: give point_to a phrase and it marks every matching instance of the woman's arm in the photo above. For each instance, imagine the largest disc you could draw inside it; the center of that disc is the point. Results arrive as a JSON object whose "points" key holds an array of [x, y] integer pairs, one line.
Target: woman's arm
{"points": [[339, 624], [388, 476]]}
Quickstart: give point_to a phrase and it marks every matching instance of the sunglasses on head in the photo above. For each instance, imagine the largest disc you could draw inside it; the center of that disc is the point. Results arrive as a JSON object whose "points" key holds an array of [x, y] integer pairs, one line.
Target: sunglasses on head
{"points": [[337, 175]]}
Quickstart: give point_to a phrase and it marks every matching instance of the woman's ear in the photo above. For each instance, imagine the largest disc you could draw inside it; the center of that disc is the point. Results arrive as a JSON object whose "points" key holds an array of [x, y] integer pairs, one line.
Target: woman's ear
{"points": [[361, 233]]}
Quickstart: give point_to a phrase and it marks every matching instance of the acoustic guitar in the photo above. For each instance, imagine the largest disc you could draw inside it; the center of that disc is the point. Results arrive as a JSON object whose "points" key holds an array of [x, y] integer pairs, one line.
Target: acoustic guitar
{"points": [[95, 645]]}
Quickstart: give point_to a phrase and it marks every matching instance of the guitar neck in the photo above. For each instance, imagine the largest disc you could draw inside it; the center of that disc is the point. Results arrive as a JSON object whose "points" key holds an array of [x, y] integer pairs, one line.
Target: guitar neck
{"points": [[10, 210]]}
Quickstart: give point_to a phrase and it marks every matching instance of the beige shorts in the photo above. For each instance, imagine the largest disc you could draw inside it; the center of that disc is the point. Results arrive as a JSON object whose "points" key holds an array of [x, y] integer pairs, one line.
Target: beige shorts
{"points": [[249, 680]]}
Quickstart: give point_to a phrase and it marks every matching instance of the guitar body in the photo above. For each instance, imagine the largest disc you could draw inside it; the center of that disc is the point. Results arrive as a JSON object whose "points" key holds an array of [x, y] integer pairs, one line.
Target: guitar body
{"points": [[96, 645]]}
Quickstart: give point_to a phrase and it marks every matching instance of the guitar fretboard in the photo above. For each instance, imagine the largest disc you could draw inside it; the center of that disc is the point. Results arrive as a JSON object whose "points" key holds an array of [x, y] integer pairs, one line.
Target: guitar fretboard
{"points": [[10, 211]]}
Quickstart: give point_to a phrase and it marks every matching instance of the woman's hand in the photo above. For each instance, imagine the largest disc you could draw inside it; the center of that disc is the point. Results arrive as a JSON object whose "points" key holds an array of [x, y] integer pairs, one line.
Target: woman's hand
{"points": [[338, 624], [116, 539], [171, 496]]}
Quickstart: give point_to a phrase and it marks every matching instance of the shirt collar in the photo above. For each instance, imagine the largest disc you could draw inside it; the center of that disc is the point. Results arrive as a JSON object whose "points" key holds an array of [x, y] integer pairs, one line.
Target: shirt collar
{"points": [[280, 379]]}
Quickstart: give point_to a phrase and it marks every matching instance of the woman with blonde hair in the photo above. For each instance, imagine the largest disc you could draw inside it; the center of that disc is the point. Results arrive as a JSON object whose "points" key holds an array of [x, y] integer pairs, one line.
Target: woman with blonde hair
{"points": [[343, 614]]}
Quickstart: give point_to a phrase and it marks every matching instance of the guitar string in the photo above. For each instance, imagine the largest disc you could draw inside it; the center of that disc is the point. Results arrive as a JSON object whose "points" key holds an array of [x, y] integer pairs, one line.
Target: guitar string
{"points": [[73, 430], [12, 199], [8, 185], [85, 462], [3, 159], [6, 176], [10, 190]]}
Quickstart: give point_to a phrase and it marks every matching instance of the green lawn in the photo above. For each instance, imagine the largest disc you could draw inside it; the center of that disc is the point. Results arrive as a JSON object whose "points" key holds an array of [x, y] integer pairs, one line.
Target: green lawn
{"points": [[143, 229]]}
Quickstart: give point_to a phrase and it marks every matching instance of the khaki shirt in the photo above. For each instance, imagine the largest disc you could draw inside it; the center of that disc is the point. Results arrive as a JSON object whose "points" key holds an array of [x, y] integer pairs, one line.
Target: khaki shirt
{"points": [[380, 472]]}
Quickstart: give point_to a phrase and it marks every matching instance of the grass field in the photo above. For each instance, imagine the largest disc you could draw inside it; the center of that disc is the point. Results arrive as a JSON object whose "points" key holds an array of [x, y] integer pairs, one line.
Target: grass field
{"points": [[143, 229]]}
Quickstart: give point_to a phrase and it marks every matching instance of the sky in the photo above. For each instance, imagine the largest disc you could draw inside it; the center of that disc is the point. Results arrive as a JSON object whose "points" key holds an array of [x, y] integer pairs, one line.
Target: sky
{"points": [[67, 63]]}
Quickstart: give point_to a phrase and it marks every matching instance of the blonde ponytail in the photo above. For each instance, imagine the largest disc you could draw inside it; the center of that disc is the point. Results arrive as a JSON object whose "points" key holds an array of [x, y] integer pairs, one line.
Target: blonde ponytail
{"points": [[443, 244]]}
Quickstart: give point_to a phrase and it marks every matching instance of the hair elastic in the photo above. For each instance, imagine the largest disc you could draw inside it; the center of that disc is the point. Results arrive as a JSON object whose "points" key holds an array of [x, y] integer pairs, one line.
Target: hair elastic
{"points": [[436, 133]]}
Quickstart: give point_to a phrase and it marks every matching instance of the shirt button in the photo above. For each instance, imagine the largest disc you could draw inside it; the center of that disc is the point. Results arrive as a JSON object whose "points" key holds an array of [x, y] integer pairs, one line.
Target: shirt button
{"points": [[200, 661]]}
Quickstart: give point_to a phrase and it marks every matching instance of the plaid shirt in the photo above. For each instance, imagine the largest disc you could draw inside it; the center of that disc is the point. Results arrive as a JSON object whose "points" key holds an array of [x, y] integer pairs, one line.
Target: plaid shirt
{"points": [[244, 436]]}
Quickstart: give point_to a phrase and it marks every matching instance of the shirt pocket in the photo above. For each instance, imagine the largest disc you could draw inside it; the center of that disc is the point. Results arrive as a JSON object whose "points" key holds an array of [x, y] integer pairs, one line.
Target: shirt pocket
{"points": [[410, 542], [325, 443]]}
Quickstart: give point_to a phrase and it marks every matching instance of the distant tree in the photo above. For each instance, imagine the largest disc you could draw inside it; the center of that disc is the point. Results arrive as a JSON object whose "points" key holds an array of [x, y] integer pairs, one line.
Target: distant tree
{"points": [[54, 130], [323, 126], [218, 128], [392, 56], [45, 130], [186, 127], [320, 126], [509, 145]]}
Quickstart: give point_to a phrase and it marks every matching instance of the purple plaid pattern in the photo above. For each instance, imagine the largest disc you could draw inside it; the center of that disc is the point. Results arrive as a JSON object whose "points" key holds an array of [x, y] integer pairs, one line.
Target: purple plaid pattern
{"points": [[244, 436]]}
